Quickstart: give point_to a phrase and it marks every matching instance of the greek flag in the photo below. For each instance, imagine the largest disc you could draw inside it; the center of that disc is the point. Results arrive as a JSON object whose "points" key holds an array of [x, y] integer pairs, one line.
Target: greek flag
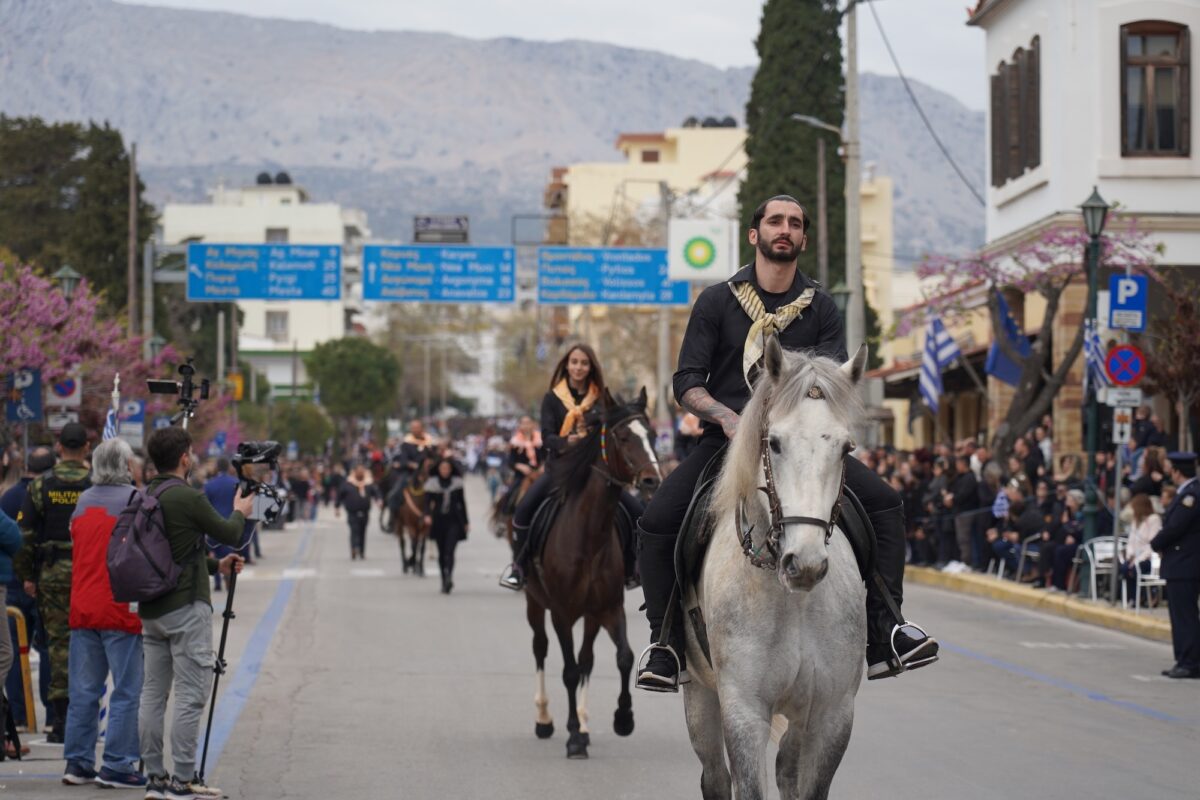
{"points": [[110, 425], [1094, 374], [940, 351]]}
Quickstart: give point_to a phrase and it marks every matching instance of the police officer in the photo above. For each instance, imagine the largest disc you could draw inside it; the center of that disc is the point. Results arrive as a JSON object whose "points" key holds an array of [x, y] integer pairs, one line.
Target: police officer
{"points": [[1179, 543], [44, 562]]}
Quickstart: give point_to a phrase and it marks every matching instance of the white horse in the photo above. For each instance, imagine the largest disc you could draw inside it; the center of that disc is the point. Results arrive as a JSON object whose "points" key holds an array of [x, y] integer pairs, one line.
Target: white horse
{"points": [[787, 641]]}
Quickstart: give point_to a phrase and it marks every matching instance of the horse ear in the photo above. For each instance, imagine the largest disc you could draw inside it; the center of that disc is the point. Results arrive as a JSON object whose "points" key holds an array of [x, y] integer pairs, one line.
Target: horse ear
{"points": [[642, 399], [853, 369], [773, 356], [608, 398]]}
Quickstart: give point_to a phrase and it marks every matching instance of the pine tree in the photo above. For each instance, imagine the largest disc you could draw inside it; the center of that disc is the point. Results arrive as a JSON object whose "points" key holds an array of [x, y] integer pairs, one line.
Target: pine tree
{"points": [[799, 72]]}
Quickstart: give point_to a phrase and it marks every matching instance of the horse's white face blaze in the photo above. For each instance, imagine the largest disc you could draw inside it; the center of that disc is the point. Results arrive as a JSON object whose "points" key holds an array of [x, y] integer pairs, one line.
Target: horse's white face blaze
{"points": [[639, 429], [807, 465]]}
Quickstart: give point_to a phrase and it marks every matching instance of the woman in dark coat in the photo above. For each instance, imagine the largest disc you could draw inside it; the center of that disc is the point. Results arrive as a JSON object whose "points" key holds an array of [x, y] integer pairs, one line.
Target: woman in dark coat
{"points": [[446, 514]]}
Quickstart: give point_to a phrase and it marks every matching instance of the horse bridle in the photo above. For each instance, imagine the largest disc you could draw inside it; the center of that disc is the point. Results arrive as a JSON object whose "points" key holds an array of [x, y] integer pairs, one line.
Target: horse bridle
{"points": [[770, 558], [606, 472]]}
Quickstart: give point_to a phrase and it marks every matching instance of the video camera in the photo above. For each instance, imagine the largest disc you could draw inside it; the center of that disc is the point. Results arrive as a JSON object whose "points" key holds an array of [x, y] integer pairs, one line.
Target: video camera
{"points": [[260, 453], [186, 389]]}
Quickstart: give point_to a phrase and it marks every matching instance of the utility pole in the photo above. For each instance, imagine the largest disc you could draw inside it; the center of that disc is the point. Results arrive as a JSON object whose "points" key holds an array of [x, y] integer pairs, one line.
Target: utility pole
{"points": [[663, 393], [131, 268], [428, 409], [220, 381], [822, 219], [855, 317], [233, 351]]}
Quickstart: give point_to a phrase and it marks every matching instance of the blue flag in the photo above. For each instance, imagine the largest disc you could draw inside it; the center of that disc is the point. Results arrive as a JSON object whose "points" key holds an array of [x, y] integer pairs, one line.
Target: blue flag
{"points": [[998, 364]]}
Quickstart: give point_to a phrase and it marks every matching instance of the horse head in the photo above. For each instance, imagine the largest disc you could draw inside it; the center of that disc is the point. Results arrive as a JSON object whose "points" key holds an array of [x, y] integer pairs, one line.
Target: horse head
{"points": [[629, 443], [785, 465]]}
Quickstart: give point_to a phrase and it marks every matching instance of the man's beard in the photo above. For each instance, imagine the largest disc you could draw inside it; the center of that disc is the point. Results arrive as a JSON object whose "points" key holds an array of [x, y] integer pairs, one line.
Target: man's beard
{"points": [[778, 256]]}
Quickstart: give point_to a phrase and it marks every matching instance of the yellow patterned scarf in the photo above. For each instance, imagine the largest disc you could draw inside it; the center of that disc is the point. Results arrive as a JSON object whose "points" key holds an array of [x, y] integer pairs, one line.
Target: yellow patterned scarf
{"points": [[765, 323], [575, 411]]}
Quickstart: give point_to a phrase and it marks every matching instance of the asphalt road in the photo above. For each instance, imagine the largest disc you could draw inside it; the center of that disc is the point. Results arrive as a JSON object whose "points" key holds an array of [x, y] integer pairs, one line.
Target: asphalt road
{"points": [[349, 679]]}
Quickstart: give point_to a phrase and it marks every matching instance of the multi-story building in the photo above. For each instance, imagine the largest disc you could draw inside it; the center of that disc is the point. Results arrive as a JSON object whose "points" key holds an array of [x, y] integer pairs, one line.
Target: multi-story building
{"points": [[276, 335]]}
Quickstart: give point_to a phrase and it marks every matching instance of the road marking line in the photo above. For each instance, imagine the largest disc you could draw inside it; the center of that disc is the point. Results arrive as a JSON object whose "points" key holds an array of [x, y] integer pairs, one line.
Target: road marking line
{"points": [[295, 573], [367, 572]]}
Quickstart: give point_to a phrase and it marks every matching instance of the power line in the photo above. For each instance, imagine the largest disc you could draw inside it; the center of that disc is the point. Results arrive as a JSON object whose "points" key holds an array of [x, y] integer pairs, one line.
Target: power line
{"points": [[928, 125]]}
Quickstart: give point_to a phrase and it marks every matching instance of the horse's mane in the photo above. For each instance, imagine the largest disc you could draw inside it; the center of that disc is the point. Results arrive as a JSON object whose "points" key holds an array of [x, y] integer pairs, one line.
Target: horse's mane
{"points": [[801, 372], [570, 471]]}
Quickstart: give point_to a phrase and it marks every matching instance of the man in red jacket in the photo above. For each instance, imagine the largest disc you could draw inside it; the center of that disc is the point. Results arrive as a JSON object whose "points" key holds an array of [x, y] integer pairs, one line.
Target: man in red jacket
{"points": [[105, 636]]}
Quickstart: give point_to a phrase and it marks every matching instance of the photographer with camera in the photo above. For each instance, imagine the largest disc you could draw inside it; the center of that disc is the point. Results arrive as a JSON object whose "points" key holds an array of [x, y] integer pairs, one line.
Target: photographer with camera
{"points": [[177, 626]]}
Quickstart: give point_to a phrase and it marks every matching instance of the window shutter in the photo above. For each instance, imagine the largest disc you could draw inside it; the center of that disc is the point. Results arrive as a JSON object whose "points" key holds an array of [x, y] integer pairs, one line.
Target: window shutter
{"points": [[1185, 92], [1012, 118], [1033, 105], [999, 130], [1021, 97]]}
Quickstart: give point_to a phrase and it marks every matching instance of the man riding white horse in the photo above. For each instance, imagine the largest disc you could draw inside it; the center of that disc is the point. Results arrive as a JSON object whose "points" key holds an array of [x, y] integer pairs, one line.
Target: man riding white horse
{"points": [[719, 359]]}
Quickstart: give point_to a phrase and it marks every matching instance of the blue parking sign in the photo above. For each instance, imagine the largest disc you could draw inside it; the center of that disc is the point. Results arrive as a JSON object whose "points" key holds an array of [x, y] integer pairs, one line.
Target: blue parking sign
{"points": [[1127, 296], [23, 396]]}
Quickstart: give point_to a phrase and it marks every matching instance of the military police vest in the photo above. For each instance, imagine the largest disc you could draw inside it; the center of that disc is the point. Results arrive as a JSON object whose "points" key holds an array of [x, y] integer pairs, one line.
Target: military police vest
{"points": [[58, 503]]}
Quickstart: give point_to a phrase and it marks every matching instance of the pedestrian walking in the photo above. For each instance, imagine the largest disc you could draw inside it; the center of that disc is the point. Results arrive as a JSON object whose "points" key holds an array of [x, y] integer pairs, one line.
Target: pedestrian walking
{"points": [[355, 496], [105, 636], [177, 627], [44, 562], [1179, 543], [446, 514]]}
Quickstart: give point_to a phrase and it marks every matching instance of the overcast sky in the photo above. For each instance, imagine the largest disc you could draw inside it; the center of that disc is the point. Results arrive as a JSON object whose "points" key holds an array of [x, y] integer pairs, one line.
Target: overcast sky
{"points": [[930, 38]]}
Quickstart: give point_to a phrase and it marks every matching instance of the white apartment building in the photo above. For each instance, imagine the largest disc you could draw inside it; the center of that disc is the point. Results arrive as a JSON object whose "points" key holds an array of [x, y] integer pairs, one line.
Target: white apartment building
{"points": [[279, 211]]}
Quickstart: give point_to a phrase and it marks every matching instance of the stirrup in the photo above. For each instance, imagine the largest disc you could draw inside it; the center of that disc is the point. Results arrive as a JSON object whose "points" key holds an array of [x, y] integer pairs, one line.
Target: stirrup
{"points": [[914, 661], [512, 578], [656, 682]]}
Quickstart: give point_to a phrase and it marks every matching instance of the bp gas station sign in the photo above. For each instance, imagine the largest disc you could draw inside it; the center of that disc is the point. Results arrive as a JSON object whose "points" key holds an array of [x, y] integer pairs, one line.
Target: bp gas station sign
{"points": [[701, 250]]}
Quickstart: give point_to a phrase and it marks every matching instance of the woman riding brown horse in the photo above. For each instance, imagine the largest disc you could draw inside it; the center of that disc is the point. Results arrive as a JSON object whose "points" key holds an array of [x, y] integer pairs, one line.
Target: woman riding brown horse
{"points": [[411, 527], [580, 572]]}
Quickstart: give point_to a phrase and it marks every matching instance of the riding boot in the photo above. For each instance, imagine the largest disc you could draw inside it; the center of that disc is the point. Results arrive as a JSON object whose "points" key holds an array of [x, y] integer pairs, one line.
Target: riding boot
{"points": [[657, 558], [893, 645], [513, 576]]}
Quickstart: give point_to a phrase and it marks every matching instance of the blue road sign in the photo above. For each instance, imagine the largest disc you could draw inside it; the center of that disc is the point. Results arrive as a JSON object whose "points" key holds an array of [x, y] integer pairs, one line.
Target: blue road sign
{"points": [[431, 273], [161, 421], [1127, 296], [23, 398], [627, 276], [218, 272]]}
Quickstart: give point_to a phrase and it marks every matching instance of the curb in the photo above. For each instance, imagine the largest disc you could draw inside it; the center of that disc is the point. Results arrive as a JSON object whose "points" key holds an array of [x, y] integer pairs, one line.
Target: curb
{"points": [[1055, 603]]}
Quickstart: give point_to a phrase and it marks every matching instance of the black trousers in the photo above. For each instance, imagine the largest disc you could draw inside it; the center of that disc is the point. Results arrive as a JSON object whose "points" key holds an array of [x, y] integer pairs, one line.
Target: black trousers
{"points": [[663, 516], [1182, 600], [358, 530], [447, 538]]}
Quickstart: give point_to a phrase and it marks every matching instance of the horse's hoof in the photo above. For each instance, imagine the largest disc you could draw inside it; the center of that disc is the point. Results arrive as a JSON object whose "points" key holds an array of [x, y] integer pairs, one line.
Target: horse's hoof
{"points": [[543, 730], [586, 738], [576, 747], [623, 721]]}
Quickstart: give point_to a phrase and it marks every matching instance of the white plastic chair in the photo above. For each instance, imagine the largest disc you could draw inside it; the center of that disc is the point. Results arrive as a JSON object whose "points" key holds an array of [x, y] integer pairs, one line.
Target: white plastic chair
{"points": [[1098, 553], [1148, 580]]}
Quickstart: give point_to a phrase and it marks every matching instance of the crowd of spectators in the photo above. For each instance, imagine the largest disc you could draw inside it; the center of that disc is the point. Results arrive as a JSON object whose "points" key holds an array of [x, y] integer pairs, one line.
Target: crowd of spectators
{"points": [[967, 510]]}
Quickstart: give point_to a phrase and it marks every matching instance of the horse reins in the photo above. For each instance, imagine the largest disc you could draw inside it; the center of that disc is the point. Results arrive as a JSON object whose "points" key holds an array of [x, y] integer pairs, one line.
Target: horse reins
{"points": [[770, 560]]}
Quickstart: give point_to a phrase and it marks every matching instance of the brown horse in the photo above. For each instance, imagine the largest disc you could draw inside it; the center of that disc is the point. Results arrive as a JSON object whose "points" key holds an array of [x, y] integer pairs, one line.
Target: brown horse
{"points": [[410, 521], [502, 520], [580, 572]]}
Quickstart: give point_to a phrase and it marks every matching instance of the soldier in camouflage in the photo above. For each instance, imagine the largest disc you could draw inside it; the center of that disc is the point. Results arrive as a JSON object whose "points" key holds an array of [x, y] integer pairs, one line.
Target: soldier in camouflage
{"points": [[44, 562]]}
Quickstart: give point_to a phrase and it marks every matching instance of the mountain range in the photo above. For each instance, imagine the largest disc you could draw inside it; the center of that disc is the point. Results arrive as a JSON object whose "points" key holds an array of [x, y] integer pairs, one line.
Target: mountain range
{"points": [[401, 123]]}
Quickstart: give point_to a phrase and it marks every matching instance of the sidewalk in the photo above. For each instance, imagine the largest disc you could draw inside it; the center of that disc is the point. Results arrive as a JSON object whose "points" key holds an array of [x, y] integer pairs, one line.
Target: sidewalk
{"points": [[1147, 624]]}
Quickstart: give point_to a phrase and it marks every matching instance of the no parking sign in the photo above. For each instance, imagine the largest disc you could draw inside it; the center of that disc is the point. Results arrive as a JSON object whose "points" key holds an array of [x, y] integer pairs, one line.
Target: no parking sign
{"points": [[1125, 364]]}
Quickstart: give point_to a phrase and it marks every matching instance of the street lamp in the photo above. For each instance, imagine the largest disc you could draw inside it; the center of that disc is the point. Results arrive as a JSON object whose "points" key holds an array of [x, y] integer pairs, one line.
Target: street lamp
{"points": [[1095, 212], [822, 224], [67, 279], [841, 297], [156, 345]]}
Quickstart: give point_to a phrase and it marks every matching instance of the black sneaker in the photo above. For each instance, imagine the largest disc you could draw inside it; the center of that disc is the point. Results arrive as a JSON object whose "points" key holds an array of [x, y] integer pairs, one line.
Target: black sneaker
{"points": [[112, 779], [78, 775], [55, 736], [910, 648], [512, 578], [661, 673], [175, 789], [156, 786]]}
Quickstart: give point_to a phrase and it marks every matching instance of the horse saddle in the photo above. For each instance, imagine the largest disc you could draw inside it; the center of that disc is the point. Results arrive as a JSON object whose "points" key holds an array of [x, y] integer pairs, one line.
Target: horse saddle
{"points": [[696, 533], [547, 512]]}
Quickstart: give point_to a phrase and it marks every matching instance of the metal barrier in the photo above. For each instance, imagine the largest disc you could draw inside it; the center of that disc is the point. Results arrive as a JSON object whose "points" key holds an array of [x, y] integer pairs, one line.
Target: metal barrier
{"points": [[26, 675]]}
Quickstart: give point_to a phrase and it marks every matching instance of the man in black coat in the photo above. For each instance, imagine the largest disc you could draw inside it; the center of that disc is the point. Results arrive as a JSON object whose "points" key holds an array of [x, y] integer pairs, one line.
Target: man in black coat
{"points": [[1179, 543]]}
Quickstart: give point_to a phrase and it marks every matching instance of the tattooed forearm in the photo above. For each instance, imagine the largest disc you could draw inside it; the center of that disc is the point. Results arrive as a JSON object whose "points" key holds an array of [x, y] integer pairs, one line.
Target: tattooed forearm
{"points": [[698, 401]]}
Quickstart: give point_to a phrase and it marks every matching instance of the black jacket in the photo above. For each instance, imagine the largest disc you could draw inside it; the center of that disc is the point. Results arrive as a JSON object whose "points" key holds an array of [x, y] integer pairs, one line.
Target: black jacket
{"points": [[711, 353], [445, 503], [554, 414], [1179, 539]]}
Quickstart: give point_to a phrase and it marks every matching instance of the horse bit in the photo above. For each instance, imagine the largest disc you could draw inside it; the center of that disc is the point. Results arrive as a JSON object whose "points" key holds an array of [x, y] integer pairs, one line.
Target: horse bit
{"points": [[770, 559]]}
